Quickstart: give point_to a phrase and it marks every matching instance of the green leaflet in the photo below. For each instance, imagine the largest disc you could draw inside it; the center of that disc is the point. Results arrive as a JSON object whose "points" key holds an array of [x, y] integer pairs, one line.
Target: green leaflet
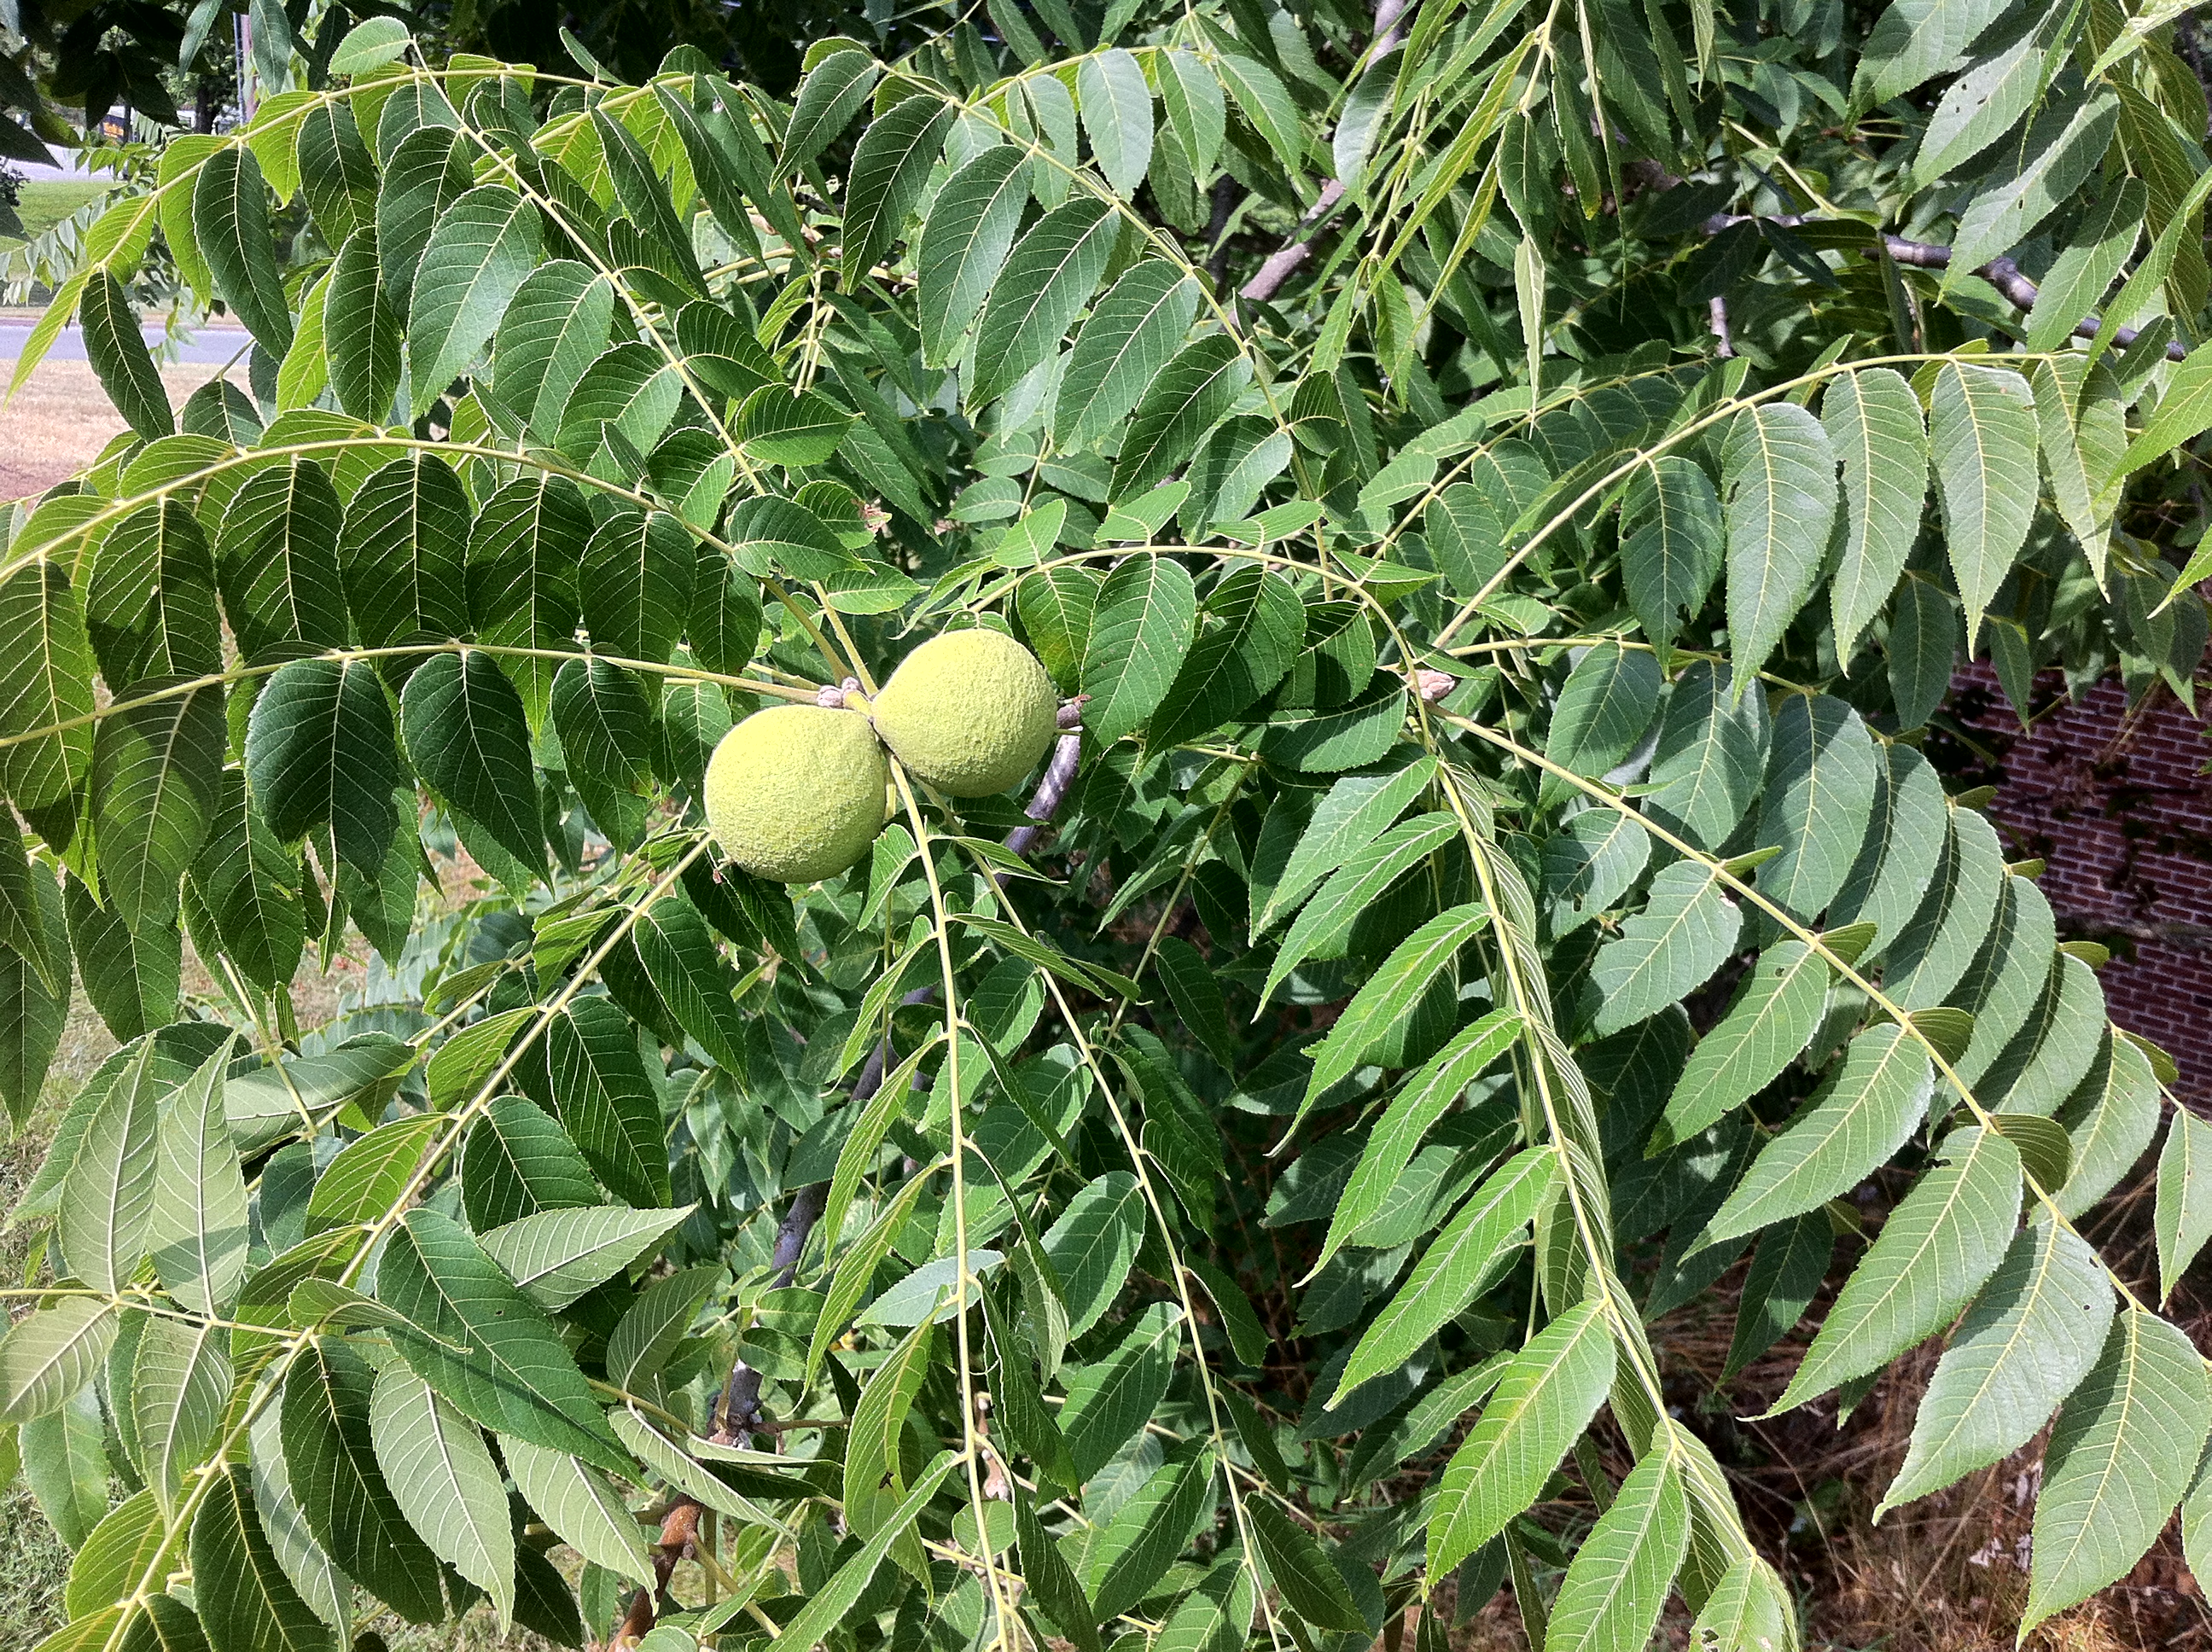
{"points": [[1058, 1593], [467, 737], [1196, 109], [676, 949], [965, 243], [1672, 543], [555, 1256], [648, 1334], [829, 96], [1117, 117], [114, 1553], [1612, 1596], [1981, 435], [516, 1377], [1684, 933], [321, 747], [2058, 153], [1045, 284], [119, 356], [1998, 88], [583, 1509], [1907, 832], [1129, 1559], [2120, 1456], [2182, 1218], [155, 770], [1785, 1274], [272, 560], [889, 166], [1385, 1022], [1873, 422], [45, 686], [1545, 1399], [1749, 1611], [1859, 1117], [1954, 918], [1603, 709], [442, 1476], [598, 1085], [1131, 335], [875, 1472], [369, 1175], [1396, 1135], [1110, 1397], [1943, 1239], [479, 252], [2064, 405], [1261, 98], [1774, 1016], [180, 1384], [831, 1603], [403, 550], [1141, 630], [1818, 798], [198, 1228], [1093, 1245], [132, 976], [330, 1457], [108, 1201], [1357, 810], [1309, 1584], [150, 599], [855, 1273], [1189, 396], [230, 224], [246, 1602], [2110, 1122], [1217, 1615], [1591, 864], [1458, 1264], [517, 1162], [2084, 271], [2025, 1345], [553, 328], [1320, 929], [1778, 475], [1712, 752]]}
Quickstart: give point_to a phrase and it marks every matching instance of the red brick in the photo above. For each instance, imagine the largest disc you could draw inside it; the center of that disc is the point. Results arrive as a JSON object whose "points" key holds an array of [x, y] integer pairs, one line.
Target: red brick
{"points": [[2118, 808]]}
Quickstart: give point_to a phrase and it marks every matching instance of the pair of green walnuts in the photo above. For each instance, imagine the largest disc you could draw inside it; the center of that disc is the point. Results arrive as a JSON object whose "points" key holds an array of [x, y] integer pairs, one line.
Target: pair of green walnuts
{"points": [[796, 793]]}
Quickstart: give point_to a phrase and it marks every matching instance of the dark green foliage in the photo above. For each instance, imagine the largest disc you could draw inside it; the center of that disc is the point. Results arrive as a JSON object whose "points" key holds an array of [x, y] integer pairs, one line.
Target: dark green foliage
{"points": [[1490, 882]]}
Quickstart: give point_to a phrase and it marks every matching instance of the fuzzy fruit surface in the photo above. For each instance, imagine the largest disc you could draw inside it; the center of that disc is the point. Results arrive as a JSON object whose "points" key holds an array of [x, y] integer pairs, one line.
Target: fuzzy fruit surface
{"points": [[970, 712], [795, 794]]}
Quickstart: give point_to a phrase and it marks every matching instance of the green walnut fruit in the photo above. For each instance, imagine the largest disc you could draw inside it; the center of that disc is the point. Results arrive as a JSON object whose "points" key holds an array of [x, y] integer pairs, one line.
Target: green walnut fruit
{"points": [[970, 712], [795, 794]]}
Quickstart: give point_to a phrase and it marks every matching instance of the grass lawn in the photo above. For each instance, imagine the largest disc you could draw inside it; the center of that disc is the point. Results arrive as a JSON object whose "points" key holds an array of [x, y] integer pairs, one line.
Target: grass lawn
{"points": [[45, 203]]}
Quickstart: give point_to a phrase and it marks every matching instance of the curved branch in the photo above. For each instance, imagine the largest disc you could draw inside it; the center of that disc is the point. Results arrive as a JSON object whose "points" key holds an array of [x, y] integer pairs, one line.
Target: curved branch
{"points": [[2001, 273]]}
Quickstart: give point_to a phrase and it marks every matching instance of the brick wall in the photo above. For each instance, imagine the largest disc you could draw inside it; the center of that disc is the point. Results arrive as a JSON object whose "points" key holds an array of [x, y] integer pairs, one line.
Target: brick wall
{"points": [[2114, 802]]}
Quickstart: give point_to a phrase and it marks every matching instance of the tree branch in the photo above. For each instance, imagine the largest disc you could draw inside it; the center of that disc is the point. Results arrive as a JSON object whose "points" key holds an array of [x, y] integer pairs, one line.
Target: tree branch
{"points": [[1391, 18], [2001, 273], [1283, 262]]}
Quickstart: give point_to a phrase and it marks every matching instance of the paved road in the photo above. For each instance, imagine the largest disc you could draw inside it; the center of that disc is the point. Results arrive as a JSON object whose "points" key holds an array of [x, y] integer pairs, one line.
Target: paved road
{"points": [[67, 163], [213, 344]]}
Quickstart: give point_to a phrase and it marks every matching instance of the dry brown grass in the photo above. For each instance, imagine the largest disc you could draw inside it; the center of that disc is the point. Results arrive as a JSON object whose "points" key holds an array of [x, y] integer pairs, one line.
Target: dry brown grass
{"points": [[1946, 1574], [57, 425]]}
